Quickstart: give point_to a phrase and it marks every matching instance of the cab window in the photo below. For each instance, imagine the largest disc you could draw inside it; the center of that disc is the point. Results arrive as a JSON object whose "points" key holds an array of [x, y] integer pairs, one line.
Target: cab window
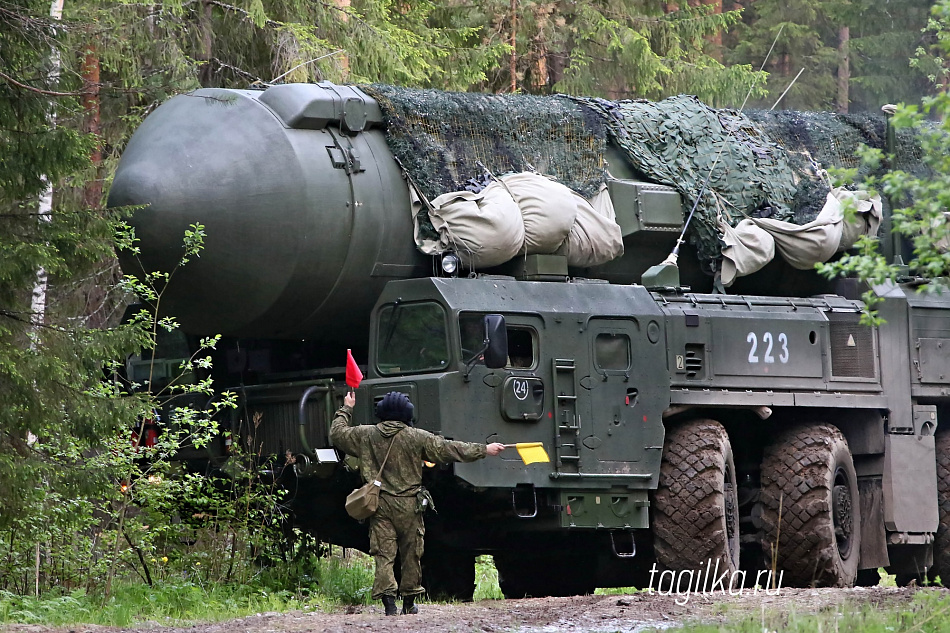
{"points": [[522, 341], [612, 351], [411, 337]]}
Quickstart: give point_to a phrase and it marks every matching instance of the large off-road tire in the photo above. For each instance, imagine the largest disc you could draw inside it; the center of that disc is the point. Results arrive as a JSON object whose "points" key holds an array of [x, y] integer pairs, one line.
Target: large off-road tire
{"points": [[815, 540], [695, 507], [941, 566]]}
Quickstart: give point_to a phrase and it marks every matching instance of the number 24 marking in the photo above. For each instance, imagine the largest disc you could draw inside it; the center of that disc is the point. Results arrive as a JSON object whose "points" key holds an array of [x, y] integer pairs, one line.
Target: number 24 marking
{"points": [[767, 340]]}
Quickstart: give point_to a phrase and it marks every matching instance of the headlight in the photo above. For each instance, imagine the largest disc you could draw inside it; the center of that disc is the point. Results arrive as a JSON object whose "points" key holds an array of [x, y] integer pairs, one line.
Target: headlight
{"points": [[450, 264]]}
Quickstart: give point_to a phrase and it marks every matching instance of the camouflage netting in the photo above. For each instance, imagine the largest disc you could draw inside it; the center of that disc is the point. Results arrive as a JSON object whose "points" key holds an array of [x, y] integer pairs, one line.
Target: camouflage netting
{"points": [[447, 140], [683, 143], [768, 166], [827, 139]]}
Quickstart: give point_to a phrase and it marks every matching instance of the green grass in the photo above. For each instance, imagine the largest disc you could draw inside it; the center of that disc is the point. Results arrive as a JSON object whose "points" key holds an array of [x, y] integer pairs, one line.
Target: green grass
{"points": [[129, 604], [615, 591], [312, 583], [929, 612], [318, 584]]}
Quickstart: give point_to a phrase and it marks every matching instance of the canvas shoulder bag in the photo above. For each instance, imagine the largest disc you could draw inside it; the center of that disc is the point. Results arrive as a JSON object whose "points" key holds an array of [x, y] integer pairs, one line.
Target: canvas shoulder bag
{"points": [[362, 502]]}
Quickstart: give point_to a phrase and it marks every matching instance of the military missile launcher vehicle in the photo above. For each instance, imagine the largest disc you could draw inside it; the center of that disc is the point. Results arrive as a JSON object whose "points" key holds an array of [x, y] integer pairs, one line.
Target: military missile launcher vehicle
{"points": [[687, 427]]}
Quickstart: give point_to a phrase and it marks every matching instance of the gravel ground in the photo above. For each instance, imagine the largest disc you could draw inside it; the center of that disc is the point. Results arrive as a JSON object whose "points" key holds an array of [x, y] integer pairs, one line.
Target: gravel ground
{"points": [[582, 614]]}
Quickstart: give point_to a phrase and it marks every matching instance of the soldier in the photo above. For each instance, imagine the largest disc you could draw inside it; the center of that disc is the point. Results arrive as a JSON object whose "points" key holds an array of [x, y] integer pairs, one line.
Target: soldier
{"points": [[398, 522]]}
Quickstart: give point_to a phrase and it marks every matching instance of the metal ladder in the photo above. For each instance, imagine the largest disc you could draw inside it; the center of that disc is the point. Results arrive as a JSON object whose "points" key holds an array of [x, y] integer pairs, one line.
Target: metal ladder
{"points": [[566, 421]]}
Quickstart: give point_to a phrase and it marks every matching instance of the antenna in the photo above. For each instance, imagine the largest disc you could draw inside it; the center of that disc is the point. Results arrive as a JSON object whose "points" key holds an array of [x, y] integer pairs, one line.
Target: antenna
{"points": [[666, 274], [315, 59]]}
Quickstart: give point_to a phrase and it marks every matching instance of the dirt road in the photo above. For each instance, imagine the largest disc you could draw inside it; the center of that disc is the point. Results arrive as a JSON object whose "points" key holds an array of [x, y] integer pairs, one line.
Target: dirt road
{"points": [[584, 614]]}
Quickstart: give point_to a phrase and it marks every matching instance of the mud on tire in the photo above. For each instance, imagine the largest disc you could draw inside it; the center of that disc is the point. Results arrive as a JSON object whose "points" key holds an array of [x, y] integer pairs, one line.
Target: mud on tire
{"points": [[695, 508], [808, 471], [942, 540]]}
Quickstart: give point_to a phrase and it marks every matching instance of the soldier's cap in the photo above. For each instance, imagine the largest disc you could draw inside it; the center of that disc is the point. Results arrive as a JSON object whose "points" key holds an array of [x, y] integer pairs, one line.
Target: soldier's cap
{"points": [[395, 405]]}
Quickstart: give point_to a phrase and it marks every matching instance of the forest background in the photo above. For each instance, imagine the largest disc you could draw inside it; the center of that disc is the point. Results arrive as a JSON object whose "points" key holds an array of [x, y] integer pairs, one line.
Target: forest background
{"points": [[80, 504]]}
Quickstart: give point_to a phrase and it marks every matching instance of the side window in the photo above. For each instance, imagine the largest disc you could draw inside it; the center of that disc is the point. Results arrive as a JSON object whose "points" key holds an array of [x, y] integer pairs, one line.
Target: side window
{"points": [[522, 341], [520, 348], [612, 351]]}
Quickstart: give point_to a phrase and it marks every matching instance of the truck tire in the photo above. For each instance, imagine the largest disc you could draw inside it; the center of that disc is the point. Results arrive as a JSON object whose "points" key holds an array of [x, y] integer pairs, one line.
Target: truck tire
{"points": [[695, 507], [808, 473], [941, 566]]}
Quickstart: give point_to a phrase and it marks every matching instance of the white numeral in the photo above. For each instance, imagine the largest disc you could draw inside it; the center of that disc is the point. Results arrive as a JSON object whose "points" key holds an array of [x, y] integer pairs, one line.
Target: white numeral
{"points": [[769, 341]]}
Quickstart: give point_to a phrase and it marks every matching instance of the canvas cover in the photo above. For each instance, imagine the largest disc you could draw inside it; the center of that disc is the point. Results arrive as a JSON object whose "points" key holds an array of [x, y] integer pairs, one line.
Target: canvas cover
{"points": [[547, 207], [485, 229], [595, 238], [753, 242], [869, 213], [805, 245], [746, 249], [490, 227]]}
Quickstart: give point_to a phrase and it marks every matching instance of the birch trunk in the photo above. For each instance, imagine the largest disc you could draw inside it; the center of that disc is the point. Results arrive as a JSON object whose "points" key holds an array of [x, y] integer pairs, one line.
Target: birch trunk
{"points": [[38, 302]]}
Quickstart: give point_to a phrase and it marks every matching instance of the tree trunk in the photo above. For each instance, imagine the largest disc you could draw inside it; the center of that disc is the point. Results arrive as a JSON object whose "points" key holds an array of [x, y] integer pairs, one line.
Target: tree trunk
{"points": [[345, 17], [513, 65], [716, 39], [540, 70], [206, 73], [844, 68], [92, 193]]}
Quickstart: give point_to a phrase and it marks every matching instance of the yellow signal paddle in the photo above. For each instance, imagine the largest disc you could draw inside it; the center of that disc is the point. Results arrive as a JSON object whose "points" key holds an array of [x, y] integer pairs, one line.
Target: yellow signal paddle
{"points": [[530, 452]]}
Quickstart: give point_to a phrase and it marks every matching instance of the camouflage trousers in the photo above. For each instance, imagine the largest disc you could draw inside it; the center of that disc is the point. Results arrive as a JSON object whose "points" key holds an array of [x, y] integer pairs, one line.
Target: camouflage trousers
{"points": [[396, 527]]}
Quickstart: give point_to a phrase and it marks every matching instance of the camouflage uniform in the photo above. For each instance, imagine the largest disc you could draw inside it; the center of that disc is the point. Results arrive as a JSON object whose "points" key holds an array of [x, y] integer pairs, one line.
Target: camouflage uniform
{"points": [[396, 524]]}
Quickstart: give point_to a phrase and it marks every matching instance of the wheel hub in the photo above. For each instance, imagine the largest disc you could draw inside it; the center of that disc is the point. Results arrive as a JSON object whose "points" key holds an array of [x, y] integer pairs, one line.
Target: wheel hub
{"points": [[842, 513]]}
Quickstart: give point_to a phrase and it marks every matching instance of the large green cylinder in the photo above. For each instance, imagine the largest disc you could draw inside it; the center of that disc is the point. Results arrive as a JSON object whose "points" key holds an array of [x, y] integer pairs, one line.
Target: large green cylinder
{"points": [[306, 213]]}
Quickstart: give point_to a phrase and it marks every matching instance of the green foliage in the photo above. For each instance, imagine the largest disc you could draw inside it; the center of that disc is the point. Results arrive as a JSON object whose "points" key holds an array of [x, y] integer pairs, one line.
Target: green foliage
{"points": [[921, 204], [234, 44], [615, 591], [486, 580], [882, 39], [53, 408], [929, 612], [183, 593], [345, 581], [131, 603], [612, 48]]}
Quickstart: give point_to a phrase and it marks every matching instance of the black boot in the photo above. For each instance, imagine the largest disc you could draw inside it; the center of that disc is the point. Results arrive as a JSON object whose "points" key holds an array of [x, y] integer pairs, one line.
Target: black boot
{"points": [[409, 606], [390, 603]]}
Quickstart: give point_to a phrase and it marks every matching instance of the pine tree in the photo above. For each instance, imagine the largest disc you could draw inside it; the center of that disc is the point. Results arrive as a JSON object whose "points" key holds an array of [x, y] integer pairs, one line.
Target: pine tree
{"points": [[614, 48], [54, 406], [853, 56]]}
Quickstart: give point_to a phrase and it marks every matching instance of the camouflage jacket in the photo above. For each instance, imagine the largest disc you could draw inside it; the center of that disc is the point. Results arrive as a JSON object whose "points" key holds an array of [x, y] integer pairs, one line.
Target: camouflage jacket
{"points": [[403, 474]]}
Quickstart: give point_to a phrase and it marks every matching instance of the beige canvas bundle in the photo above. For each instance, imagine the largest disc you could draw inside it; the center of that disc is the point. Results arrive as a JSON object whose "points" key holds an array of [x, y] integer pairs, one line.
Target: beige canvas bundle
{"points": [[363, 501]]}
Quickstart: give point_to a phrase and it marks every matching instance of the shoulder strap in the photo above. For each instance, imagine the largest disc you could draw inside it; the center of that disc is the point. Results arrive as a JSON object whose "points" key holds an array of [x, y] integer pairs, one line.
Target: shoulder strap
{"points": [[383, 465]]}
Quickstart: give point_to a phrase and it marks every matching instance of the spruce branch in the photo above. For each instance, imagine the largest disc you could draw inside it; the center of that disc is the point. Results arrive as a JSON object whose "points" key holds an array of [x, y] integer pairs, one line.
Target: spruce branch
{"points": [[49, 93]]}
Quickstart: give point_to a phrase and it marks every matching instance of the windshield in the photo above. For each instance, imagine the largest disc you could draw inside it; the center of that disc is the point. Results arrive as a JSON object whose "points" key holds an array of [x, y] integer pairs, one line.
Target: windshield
{"points": [[411, 338]]}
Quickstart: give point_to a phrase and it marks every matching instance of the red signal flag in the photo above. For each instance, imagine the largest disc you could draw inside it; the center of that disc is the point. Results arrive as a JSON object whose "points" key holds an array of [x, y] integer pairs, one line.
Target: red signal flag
{"points": [[353, 373]]}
